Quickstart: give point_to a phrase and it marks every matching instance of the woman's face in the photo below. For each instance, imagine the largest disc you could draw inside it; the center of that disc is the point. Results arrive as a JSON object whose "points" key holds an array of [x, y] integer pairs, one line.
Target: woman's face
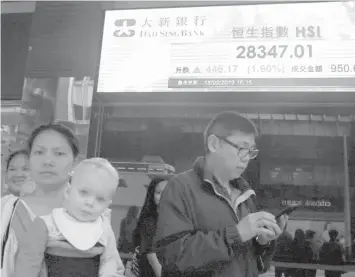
{"points": [[51, 160], [158, 191], [17, 173]]}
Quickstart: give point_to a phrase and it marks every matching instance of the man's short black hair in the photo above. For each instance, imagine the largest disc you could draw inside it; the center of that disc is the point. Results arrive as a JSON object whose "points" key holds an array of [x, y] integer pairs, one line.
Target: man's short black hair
{"points": [[227, 123], [333, 234], [310, 234]]}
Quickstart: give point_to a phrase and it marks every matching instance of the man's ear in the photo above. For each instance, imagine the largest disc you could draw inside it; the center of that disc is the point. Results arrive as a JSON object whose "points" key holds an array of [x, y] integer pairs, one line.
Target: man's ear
{"points": [[213, 143]]}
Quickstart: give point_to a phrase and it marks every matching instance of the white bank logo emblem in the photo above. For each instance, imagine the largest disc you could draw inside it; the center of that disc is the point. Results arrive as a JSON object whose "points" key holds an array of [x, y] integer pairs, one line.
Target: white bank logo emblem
{"points": [[125, 28]]}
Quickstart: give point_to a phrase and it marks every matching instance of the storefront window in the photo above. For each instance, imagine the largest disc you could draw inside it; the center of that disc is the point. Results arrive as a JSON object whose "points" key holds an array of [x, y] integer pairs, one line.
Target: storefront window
{"points": [[290, 170], [65, 100], [10, 116], [132, 139]]}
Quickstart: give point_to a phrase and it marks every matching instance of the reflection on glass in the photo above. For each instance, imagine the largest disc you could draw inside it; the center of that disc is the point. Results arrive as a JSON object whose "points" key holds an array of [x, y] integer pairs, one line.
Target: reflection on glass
{"points": [[64, 100], [291, 170], [10, 116]]}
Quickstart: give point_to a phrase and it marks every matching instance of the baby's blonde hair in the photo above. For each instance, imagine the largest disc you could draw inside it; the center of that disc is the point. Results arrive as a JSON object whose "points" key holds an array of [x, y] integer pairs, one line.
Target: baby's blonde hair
{"points": [[102, 164]]}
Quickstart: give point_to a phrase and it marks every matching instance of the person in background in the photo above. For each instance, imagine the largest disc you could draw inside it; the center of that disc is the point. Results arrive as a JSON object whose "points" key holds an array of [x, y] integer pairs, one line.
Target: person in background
{"points": [[312, 248], [283, 253], [208, 224], [17, 184], [331, 254], [327, 228], [148, 262], [83, 225], [17, 172], [341, 241], [128, 224], [298, 250], [53, 151]]}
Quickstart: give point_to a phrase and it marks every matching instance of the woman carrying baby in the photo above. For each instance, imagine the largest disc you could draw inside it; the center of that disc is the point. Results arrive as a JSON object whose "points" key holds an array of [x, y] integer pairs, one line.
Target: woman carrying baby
{"points": [[53, 152]]}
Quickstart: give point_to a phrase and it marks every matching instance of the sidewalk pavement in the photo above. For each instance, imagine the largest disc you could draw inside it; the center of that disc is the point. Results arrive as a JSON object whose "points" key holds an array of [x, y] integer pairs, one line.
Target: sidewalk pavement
{"points": [[320, 273], [271, 273]]}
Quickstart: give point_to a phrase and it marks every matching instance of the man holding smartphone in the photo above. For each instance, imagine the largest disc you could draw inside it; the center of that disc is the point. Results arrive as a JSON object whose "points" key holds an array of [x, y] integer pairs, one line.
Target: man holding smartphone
{"points": [[208, 224]]}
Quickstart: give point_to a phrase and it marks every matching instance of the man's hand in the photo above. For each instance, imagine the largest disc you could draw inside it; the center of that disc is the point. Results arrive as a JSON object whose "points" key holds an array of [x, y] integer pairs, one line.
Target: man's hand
{"points": [[261, 224], [283, 221], [264, 238]]}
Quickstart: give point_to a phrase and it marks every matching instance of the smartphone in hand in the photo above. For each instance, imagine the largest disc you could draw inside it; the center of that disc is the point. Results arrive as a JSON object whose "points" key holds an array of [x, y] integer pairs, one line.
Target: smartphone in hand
{"points": [[287, 211]]}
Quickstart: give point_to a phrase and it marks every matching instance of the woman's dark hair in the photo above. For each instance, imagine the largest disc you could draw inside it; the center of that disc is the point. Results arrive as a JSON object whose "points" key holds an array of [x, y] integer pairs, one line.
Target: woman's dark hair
{"points": [[299, 237], [333, 234], [131, 214], [310, 234], [59, 128], [149, 210], [23, 152]]}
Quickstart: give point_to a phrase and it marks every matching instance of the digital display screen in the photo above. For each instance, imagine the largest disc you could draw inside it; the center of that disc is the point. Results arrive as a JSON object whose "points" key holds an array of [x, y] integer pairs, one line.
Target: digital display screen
{"points": [[285, 47]]}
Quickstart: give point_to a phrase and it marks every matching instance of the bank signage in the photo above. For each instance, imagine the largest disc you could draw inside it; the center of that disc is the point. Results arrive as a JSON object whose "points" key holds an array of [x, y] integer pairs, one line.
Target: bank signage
{"points": [[229, 48], [310, 198], [319, 203]]}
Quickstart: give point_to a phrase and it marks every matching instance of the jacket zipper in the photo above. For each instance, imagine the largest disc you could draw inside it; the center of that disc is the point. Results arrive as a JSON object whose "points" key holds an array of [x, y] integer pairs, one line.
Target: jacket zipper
{"points": [[225, 199]]}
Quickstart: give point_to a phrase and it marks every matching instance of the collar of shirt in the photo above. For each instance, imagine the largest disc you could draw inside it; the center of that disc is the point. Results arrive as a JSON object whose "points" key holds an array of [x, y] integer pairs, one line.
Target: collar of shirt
{"points": [[240, 189]]}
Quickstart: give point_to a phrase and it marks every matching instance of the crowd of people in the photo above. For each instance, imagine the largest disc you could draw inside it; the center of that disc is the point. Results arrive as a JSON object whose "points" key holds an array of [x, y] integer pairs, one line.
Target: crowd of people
{"points": [[56, 220], [309, 247]]}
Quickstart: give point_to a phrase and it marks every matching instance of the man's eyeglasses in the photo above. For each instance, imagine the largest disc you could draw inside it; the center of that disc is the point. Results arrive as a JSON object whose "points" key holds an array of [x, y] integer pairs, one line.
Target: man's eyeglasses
{"points": [[242, 152]]}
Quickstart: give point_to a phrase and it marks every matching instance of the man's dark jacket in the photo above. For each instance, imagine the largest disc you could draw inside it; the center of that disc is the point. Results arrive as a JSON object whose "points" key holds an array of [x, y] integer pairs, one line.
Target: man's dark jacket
{"points": [[196, 231]]}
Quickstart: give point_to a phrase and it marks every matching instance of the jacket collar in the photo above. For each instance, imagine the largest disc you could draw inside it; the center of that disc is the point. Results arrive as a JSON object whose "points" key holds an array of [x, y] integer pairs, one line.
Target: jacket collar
{"points": [[205, 175]]}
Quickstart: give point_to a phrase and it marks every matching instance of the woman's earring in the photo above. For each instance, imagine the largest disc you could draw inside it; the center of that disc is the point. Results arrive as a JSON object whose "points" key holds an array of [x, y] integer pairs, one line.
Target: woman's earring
{"points": [[70, 176]]}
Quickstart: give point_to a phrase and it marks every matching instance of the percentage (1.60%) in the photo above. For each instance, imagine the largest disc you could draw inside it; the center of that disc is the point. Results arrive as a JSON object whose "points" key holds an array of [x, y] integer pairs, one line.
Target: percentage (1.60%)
{"points": [[276, 68]]}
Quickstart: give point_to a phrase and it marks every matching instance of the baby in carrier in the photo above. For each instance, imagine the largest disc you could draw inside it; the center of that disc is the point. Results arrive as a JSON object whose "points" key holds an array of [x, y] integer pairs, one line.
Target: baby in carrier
{"points": [[76, 240]]}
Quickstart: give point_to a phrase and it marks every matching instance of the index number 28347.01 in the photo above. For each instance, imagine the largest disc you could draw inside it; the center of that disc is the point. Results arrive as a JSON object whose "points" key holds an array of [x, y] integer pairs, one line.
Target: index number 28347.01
{"points": [[274, 51]]}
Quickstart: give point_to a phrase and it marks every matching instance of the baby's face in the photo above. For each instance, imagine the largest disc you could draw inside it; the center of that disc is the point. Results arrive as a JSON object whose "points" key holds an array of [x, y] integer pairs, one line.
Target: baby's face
{"points": [[90, 193]]}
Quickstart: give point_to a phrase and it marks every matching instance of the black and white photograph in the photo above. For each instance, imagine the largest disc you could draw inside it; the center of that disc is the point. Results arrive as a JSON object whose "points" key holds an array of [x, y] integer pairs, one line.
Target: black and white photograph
{"points": [[178, 138]]}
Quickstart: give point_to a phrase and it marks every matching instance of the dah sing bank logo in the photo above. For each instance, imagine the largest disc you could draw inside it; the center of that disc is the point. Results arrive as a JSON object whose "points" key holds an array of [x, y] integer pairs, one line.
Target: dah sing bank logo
{"points": [[125, 28]]}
